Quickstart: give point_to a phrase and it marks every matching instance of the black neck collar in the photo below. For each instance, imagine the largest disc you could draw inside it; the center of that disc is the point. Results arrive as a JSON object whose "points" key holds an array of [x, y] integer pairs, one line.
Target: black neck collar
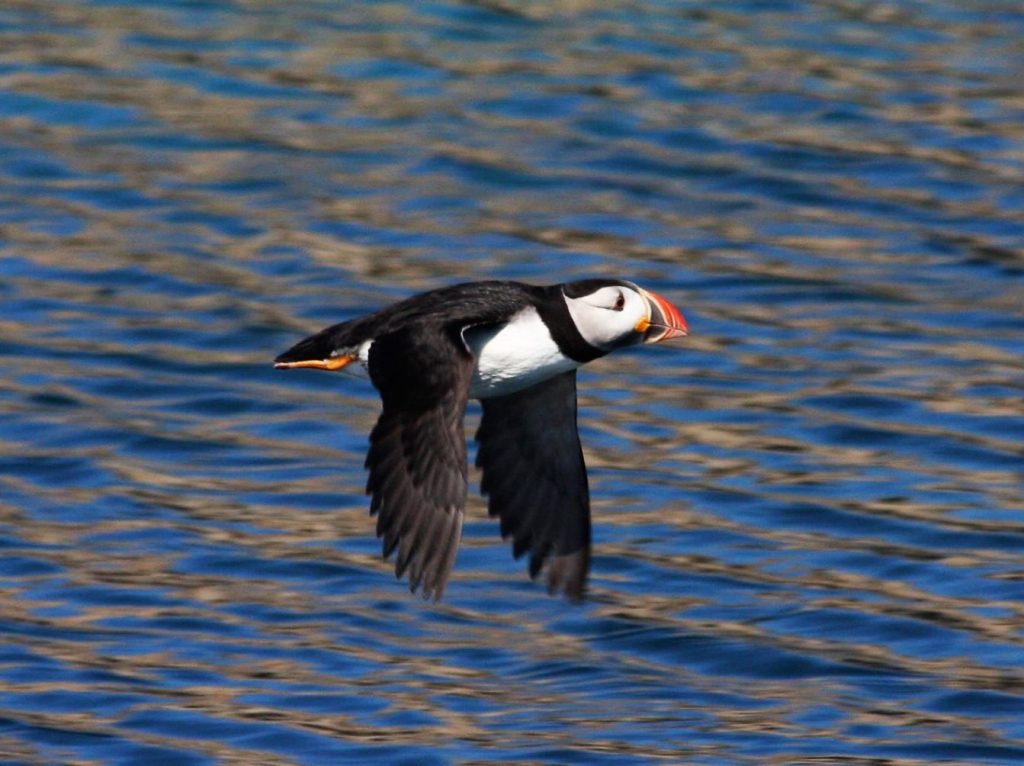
{"points": [[554, 312]]}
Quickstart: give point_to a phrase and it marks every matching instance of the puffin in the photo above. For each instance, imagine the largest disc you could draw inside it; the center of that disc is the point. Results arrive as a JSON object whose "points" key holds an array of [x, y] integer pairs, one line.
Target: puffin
{"points": [[516, 348]]}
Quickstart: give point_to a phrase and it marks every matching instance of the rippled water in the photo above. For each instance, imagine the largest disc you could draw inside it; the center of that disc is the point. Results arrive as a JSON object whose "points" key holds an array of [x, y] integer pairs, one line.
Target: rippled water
{"points": [[809, 516]]}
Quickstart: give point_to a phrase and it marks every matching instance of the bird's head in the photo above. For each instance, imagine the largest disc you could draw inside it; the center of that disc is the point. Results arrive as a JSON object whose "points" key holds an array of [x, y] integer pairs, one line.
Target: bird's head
{"points": [[610, 314]]}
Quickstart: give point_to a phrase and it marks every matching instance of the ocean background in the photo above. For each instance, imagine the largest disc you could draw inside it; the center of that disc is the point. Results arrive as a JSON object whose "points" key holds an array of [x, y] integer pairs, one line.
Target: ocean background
{"points": [[808, 515]]}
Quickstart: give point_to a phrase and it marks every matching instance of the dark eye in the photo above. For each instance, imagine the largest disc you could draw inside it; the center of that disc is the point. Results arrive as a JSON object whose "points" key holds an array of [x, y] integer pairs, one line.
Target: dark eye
{"points": [[620, 302]]}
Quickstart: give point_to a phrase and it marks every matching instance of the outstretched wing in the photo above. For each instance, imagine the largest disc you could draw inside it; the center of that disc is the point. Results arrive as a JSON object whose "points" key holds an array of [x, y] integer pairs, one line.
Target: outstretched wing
{"points": [[534, 475], [417, 456]]}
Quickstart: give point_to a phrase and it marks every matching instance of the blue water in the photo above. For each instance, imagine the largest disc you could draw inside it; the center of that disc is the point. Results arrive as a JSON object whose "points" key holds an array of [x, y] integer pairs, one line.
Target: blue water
{"points": [[809, 514]]}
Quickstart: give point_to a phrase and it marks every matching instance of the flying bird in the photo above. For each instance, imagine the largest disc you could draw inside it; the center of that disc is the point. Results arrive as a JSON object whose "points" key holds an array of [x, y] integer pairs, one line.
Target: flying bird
{"points": [[515, 347]]}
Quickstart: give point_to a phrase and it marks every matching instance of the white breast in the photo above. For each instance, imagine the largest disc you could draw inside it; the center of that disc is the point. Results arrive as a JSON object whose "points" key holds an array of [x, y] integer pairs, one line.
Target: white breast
{"points": [[514, 356]]}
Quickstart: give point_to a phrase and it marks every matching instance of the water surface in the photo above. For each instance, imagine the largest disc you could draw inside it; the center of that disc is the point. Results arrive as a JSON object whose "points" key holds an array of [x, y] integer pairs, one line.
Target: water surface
{"points": [[809, 515]]}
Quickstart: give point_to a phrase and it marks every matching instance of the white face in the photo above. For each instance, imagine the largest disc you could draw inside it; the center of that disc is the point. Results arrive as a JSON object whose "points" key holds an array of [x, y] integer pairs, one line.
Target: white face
{"points": [[608, 317]]}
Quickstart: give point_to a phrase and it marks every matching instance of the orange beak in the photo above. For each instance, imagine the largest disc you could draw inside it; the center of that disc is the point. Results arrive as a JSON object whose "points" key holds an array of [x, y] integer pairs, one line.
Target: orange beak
{"points": [[663, 320]]}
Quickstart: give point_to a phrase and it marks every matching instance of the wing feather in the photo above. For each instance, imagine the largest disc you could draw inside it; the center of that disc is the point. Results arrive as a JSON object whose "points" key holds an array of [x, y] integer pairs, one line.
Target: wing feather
{"points": [[417, 456], [536, 480]]}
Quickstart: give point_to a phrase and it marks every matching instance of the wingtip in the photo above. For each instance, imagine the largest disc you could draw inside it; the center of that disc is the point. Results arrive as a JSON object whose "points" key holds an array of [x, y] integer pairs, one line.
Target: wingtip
{"points": [[568, 574], [426, 557]]}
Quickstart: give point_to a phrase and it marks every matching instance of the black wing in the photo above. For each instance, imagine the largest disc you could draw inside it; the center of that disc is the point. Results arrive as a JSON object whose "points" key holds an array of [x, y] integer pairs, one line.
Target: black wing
{"points": [[534, 474], [417, 457]]}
